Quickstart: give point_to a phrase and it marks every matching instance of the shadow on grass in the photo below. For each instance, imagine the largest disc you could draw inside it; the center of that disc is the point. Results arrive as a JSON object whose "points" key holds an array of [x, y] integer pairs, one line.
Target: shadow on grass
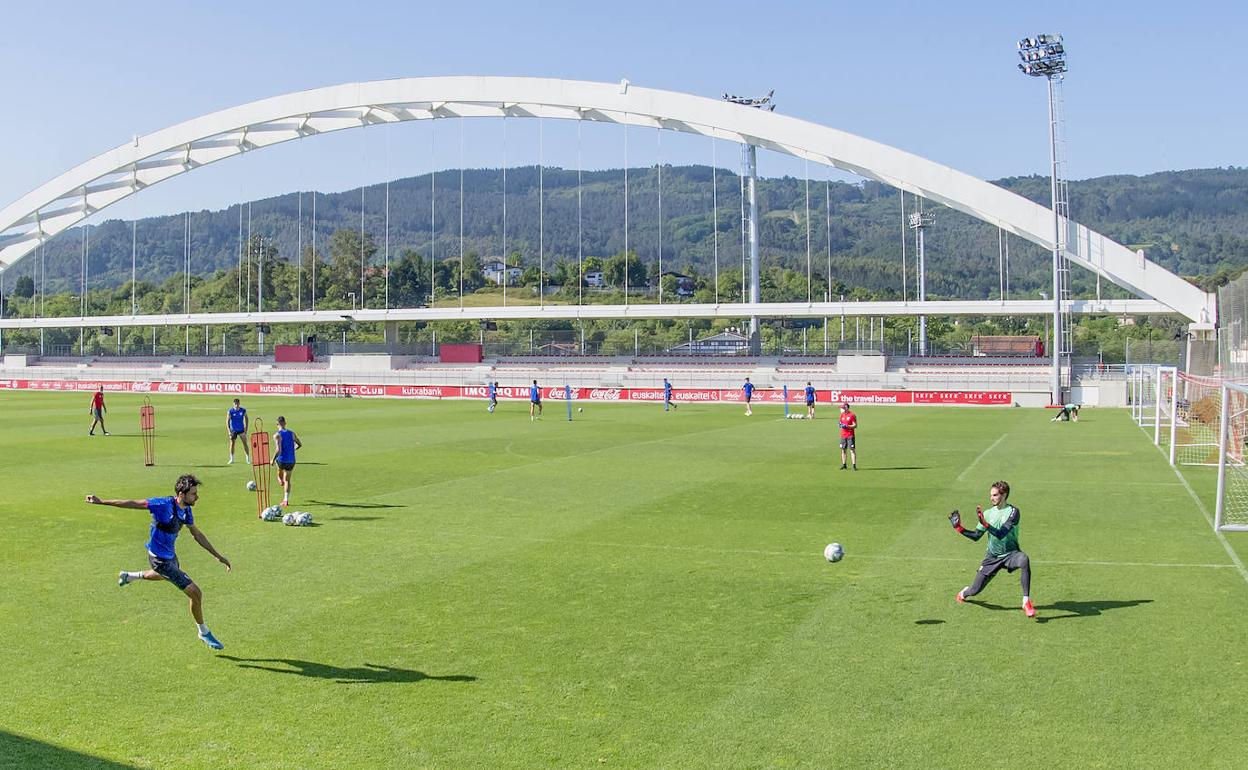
{"points": [[928, 622], [356, 518], [1069, 609], [19, 751], [353, 505], [369, 673], [897, 468]]}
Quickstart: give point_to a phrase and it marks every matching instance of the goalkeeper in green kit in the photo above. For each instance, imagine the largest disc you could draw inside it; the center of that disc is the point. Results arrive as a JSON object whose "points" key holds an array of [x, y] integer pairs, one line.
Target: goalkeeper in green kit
{"points": [[1001, 523]]}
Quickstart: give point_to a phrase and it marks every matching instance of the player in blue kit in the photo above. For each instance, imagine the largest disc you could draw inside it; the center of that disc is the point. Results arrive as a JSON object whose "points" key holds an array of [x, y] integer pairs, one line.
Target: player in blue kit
{"points": [[169, 515], [535, 402], [667, 395], [810, 401], [236, 423], [493, 397], [287, 442], [748, 390]]}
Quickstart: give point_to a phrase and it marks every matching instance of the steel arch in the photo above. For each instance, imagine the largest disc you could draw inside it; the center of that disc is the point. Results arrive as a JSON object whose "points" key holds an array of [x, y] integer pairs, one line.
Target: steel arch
{"points": [[147, 160]]}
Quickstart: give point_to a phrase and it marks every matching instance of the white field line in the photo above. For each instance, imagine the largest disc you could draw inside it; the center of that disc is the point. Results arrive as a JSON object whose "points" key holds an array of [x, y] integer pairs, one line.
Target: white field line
{"points": [[1236, 563], [799, 554], [962, 475]]}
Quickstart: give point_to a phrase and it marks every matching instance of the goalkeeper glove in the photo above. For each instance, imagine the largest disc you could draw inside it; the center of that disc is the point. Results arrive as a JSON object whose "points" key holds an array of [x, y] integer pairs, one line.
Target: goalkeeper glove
{"points": [[979, 514], [955, 519]]}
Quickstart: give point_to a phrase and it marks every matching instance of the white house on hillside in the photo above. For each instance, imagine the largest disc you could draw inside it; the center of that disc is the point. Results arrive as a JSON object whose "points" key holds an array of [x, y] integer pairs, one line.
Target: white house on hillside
{"points": [[493, 270]]}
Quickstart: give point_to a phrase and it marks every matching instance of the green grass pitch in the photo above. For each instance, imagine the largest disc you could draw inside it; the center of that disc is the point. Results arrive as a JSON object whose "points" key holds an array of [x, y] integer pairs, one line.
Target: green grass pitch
{"points": [[634, 589]]}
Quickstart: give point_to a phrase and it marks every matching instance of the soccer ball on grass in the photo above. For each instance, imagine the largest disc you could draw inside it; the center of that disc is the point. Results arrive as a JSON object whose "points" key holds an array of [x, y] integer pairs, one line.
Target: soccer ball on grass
{"points": [[251, 486], [272, 513], [834, 552]]}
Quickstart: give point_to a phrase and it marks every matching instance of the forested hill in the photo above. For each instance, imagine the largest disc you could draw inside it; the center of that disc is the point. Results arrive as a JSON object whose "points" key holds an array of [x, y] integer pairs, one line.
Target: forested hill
{"points": [[1193, 222]]}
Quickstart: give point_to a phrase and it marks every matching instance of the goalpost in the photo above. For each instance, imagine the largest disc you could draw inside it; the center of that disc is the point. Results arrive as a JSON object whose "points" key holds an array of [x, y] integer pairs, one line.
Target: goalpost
{"points": [[1196, 419], [1142, 383], [1231, 511]]}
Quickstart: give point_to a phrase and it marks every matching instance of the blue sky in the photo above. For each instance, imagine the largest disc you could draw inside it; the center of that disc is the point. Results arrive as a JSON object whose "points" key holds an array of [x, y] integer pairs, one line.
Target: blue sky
{"points": [[1152, 86]]}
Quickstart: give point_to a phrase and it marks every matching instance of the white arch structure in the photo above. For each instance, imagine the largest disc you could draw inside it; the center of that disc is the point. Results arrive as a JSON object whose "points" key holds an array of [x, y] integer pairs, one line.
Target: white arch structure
{"points": [[114, 175]]}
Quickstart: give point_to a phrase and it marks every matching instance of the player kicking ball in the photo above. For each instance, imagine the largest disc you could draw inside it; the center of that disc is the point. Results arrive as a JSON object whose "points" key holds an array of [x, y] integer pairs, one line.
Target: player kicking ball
{"points": [[1001, 523], [169, 515], [287, 442]]}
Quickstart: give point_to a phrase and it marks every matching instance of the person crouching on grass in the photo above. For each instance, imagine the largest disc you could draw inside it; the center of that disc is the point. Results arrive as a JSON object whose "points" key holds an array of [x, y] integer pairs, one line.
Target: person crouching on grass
{"points": [[169, 515], [1001, 523]]}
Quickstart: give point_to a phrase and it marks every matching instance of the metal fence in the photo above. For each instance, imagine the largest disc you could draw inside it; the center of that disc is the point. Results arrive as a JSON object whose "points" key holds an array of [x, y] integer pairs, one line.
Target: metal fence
{"points": [[1232, 341]]}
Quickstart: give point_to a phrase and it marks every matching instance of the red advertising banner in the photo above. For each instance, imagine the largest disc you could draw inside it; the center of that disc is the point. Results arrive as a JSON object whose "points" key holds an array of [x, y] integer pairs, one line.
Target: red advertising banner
{"points": [[651, 395]]}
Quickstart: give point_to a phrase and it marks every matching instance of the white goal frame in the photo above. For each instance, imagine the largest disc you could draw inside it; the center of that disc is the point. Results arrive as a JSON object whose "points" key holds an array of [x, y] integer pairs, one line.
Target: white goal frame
{"points": [[1232, 472]]}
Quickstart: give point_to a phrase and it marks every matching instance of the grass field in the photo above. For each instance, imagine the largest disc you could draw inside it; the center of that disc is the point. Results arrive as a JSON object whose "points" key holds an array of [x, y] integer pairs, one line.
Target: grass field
{"points": [[634, 589]]}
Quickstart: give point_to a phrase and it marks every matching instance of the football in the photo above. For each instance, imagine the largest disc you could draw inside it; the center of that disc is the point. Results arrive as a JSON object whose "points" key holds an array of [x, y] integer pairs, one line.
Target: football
{"points": [[272, 513], [251, 486], [580, 409], [834, 552]]}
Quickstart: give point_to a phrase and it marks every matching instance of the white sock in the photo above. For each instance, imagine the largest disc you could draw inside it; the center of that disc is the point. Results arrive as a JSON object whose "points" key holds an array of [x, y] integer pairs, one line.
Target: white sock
{"points": [[202, 628], [134, 575], [1026, 599]]}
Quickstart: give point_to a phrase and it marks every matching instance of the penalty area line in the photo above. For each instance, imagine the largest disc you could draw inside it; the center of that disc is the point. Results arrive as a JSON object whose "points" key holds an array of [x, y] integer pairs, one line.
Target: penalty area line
{"points": [[1237, 563], [962, 475]]}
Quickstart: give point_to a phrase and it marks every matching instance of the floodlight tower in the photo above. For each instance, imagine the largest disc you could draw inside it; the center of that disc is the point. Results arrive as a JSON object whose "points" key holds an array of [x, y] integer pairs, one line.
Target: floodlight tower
{"points": [[1045, 56], [749, 158], [919, 221]]}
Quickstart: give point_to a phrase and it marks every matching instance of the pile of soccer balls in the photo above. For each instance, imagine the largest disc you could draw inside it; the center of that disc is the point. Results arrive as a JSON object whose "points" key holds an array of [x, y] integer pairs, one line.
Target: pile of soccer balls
{"points": [[297, 519], [272, 513]]}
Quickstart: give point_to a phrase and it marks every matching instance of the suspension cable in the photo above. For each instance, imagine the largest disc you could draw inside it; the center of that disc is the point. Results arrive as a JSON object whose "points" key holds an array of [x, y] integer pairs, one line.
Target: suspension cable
{"points": [[580, 269], [827, 195], [315, 259], [715, 211], [461, 211], [541, 212], [386, 235], [809, 282], [505, 260], [658, 135], [903, 246], [433, 211]]}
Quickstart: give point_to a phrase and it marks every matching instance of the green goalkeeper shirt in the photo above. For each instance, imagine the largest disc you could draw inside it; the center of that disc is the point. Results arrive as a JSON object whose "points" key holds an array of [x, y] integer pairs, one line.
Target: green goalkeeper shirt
{"points": [[998, 517]]}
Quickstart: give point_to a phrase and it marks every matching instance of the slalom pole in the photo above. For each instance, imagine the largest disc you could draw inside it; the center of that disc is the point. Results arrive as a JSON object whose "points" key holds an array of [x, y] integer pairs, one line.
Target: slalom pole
{"points": [[261, 469], [147, 426]]}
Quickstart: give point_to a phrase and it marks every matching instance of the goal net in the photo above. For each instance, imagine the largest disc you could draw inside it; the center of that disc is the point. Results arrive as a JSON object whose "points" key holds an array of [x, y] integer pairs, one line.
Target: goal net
{"points": [[1197, 419], [330, 390], [1142, 381], [1231, 512]]}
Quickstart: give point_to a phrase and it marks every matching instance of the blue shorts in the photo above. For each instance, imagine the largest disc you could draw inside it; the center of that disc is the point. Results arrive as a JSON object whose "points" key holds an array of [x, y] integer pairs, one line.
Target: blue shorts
{"points": [[810, 402], [236, 433], [285, 466], [170, 570]]}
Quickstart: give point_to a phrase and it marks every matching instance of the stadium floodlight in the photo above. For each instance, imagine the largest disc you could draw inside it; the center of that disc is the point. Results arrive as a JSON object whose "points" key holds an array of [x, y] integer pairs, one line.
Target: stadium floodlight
{"points": [[1045, 56], [749, 158]]}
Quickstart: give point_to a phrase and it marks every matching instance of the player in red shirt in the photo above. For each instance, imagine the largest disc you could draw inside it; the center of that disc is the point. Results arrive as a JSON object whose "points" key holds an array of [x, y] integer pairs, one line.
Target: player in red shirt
{"points": [[97, 413], [849, 424]]}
